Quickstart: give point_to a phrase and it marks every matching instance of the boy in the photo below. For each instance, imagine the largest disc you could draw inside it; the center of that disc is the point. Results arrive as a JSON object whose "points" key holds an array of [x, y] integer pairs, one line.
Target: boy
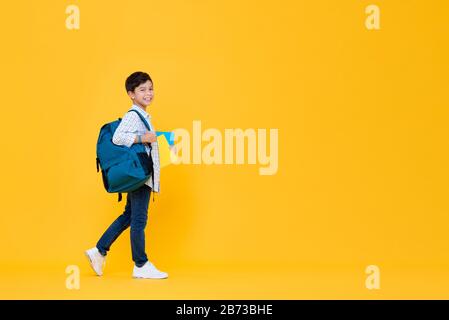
{"points": [[139, 87]]}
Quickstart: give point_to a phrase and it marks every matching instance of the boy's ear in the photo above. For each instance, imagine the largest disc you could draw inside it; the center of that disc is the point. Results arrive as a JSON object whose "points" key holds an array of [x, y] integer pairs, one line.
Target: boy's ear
{"points": [[131, 94]]}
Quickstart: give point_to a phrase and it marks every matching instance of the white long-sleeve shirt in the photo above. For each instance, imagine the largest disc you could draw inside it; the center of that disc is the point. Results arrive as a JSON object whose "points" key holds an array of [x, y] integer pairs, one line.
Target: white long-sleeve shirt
{"points": [[125, 135]]}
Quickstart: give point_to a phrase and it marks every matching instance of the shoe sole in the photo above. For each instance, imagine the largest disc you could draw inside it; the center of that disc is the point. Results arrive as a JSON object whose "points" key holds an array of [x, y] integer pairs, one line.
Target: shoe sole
{"points": [[138, 277], [91, 263]]}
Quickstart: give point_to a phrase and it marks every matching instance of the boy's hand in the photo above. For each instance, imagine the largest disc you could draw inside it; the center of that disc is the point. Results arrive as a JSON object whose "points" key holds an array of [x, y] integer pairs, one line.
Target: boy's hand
{"points": [[149, 137]]}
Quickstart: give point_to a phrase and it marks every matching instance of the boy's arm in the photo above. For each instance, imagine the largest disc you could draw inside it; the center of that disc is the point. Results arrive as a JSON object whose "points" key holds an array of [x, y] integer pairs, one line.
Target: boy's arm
{"points": [[145, 138], [126, 132]]}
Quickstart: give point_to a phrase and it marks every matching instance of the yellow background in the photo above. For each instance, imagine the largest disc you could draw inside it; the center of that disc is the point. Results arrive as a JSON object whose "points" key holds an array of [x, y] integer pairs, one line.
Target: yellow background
{"points": [[363, 147]]}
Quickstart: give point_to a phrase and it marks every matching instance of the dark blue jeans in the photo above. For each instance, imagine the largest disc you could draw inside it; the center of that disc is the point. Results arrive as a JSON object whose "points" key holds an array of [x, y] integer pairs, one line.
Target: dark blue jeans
{"points": [[136, 216]]}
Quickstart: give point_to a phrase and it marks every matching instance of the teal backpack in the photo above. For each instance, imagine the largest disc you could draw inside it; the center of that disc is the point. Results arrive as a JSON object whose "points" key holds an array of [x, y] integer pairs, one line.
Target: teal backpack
{"points": [[123, 169]]}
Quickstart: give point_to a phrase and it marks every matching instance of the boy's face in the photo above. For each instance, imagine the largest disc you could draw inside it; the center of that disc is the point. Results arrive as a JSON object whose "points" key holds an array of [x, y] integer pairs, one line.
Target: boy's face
{"points": [[143, 94]]}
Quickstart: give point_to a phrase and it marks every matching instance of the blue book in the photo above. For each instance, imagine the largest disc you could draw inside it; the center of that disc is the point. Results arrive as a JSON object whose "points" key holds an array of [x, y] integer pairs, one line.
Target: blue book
{"points": [[169, 136]]}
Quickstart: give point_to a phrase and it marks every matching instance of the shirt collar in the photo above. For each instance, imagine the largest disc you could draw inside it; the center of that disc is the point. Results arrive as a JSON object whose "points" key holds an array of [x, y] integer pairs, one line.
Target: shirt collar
{"points": [[141, 111]]}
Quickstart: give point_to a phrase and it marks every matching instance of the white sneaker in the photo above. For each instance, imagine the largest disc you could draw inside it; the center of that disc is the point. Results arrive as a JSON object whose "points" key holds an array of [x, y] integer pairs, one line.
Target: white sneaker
{"points": [[96, 260], [148, 271]]}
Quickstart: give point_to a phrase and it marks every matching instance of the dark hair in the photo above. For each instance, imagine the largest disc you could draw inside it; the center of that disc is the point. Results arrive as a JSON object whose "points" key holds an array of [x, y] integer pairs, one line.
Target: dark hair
{"points": [[136, 79]]}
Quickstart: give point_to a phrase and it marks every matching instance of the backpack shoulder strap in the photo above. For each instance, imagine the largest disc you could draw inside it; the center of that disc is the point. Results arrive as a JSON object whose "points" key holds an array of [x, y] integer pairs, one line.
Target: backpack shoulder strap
{"points": [[142, 118]]}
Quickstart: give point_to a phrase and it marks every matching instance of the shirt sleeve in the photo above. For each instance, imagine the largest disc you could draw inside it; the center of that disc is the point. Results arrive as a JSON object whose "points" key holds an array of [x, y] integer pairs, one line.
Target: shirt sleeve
{"points": [[126, 132]]}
